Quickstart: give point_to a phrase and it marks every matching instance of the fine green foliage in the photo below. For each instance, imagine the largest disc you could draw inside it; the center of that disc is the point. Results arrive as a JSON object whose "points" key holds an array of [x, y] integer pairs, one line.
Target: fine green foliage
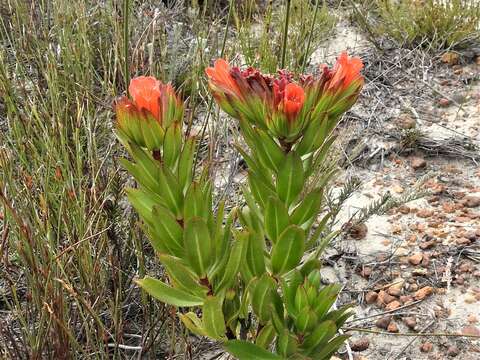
{"points": [[432, 24], [260, 35]]}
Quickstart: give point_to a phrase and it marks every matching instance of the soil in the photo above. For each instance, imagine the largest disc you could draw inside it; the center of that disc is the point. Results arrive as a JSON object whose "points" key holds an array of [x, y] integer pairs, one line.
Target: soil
{"points": [[419, 263]]}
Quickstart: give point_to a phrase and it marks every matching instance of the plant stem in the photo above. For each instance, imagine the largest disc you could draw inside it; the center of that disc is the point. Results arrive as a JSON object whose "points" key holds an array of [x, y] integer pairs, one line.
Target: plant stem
{"points": [[285, 34], [310, 36], [126, 16]]}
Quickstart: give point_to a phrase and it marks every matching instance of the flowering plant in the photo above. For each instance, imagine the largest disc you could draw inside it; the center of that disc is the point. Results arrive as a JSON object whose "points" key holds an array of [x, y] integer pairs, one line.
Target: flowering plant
{"points": [[251, 271]]}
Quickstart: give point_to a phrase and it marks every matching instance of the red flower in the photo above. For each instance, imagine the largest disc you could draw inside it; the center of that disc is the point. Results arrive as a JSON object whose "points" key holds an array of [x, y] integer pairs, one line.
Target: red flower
{"points": [[280, 104], [346, 72], [221, 78], [293, 100], [153, 108]]}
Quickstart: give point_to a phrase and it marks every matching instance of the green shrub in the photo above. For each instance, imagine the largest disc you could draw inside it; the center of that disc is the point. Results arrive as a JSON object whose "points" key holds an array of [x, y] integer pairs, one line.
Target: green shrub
{"points": [[430, 23]]}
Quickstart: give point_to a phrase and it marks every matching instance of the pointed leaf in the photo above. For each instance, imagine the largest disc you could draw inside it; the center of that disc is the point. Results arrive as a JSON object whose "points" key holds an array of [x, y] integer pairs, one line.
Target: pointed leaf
{"points": [[237, 255], [262, 297], [290, 179], [247, 351], [255, 257], [321, 335], [288, 250], [192, 323], [182, 277], [198, 245], [166, 231], [167, 294], [265, 336], [212, 318], [185, 163], [308, 208], [172, 145], [276, 218]]}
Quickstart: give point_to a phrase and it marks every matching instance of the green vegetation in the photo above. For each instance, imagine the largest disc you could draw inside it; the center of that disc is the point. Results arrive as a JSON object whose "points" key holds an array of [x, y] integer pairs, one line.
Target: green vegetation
{"points": [[435, 24]]}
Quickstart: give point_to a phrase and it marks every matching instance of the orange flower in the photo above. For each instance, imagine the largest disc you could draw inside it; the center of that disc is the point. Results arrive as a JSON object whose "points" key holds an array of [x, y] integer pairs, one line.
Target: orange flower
{"points": [[146, 94], [153, 108], [221, 78], [346, 72], [293, 100], [283, 104]]}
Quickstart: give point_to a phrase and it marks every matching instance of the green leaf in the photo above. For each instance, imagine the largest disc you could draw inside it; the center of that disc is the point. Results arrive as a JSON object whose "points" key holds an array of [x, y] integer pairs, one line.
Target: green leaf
{"points": [[263, 173], [288, 250], [150, 167], [237, 255], [272, 155], [182, 277], [198, 245], [259, 189], [255, 257], [321, 335], [265, 336], [195, 203], [324, 352], [143, 201], [166, 232], [325, 299], [185, 163], [308, 208], [286, 343], [290, 179], [290, 290], [143, 178], [276, 218], [212, 318], [161, 291], [192, 323], [247, 351], [262, 297], [172, 145], [171, 192]]}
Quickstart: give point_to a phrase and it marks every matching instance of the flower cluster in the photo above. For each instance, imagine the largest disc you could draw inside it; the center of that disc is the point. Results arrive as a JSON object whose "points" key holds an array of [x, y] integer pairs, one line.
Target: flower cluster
{"points": [[279, 103], [153, 108]]}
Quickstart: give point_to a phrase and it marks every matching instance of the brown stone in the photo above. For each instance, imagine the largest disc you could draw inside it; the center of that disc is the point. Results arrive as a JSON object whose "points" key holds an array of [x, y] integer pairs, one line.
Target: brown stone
{"points": [[384, 298], [426, 347], [366, 272], [425, 245], [358, 231], [406, 122], [471, 330], [423, 293], [404, 209], [462, 241], [361, 344], [453, 351], [450, 58], [443, 102], [396, 288], [371, 297], [415, 259], [392, 327], [395, 304], [424, 213], [383, 322], [471, 201], [472, 319], [406, 299], [418, 163], [410, 321]]}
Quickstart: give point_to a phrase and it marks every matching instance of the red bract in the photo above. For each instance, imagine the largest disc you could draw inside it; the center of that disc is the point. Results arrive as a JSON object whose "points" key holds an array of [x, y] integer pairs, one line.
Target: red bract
{"points": [[346, 72], [281, 104], [153, 108]]}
